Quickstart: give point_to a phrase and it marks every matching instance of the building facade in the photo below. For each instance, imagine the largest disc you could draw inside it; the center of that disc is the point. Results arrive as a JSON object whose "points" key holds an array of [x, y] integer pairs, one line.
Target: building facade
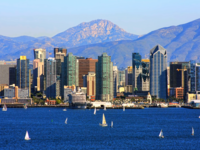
{"points": [[104, 78], [50, 78], [23, 74], [85, 66], [38, 75], [40, 54], [115, 81], [158, 72], [128, 75], [179, 76], [89, 81], [60, 50], [70, 72], [197, 77], [121, 78], [7, 73], [140, 73]]}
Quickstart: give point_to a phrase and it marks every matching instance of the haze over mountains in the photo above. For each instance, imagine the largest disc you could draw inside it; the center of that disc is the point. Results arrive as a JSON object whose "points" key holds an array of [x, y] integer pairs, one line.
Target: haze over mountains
{"points": [[93, 38]]}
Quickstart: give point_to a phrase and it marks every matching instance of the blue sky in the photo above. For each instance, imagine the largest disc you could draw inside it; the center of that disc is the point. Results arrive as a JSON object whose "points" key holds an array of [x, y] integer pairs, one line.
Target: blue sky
{"points": [[49, 17]]}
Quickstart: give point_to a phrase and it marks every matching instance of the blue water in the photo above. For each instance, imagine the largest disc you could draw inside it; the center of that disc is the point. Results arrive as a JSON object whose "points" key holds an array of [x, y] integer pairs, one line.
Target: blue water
{"points": [[133, 129]]}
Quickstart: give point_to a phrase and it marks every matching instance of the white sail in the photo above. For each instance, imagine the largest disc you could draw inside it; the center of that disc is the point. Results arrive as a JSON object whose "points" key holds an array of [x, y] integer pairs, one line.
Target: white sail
{"points": [[66, 120], [192, 131], [161, 134], [27, 136], [4, 108], [95, 111], [104, 107], [111, 124], [104, 124], [123, 108]]}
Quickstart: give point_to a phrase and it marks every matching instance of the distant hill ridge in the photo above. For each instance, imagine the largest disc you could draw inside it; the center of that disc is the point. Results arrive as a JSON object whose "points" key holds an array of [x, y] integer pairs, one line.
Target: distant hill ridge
{"points": [[91, 39]]}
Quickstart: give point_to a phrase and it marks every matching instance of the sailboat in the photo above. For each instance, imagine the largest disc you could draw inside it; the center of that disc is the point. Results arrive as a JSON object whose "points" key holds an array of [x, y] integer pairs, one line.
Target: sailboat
{"points": [[161, 134], [123, 108], [95, 111], [25, 106], [27, 136], [192, 131], [111, 124], [104, 107], [65, 109], [66, 120], [4, 108], [104, 124]]}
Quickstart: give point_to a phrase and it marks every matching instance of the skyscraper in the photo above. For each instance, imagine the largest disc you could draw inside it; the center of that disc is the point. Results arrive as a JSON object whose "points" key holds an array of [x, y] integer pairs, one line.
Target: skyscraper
{"points": [[104, 78], [7, 73], [23, 73], [61, 50], [197, 78], [115, 81], [89, 81], [121, 78], [85, 66], [50, 78], [179, 76], [191, 76], [38, 74], [140, 73], [40, 54], [158, 72], [128, 75], [70, 71]]}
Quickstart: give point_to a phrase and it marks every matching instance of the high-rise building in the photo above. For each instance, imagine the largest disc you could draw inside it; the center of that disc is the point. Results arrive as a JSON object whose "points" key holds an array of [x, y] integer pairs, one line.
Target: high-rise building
{"points": [[140, 73], [23, 74], [61, 50], [60, 56], [40, 54], [50, 78], [197, 78], [38, 75], [7, 73], [104, 78], [158, 72], [85, 66], [70, 72], [179, 76], [121, 78], [191, 76], [115, 81], [89, 81], [128, 75]]}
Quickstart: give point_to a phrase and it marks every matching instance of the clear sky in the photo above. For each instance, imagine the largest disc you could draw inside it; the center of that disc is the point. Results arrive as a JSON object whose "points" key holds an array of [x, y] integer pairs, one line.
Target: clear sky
{"points": [[49, 17]]}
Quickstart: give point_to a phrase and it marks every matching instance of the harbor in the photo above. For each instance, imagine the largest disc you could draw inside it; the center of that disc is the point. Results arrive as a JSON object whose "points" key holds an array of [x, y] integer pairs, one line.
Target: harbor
{"points": [[80, 129]]}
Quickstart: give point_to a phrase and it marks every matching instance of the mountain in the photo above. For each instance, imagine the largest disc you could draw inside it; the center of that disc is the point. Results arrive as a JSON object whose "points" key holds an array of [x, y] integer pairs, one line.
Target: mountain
{"points": [[93, 38], [182, 43], [96, 31], [93, 32]]}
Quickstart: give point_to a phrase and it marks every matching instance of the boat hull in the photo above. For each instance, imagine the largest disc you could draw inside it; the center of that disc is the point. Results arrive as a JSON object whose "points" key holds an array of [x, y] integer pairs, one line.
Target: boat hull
{"points": [[28, 139], [103, 125]]}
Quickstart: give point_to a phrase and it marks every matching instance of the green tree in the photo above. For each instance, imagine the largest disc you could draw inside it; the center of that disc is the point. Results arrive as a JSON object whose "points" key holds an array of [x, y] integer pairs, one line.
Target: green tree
{"points": [[58, 101], [133, 99]]}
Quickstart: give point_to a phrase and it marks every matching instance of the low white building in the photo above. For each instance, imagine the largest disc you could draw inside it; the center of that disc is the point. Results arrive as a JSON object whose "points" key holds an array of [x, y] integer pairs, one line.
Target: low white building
{"points": [[101, 104], [128, 105]]}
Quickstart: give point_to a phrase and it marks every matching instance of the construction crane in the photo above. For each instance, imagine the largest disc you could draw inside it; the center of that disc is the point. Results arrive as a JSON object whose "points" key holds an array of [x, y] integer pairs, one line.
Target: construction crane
{"points": [[182, 74]]}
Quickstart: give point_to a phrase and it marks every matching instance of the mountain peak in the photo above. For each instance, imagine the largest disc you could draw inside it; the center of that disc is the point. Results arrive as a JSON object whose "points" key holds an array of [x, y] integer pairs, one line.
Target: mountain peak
{"points": [[96, 31]]}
